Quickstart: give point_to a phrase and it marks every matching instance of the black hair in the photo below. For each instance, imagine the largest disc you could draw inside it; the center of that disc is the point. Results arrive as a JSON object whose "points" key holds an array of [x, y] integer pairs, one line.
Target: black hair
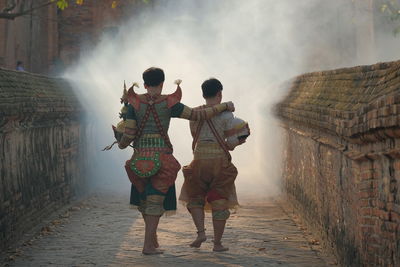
{"points": [[211, 87], [153, 76], [19, 62]]}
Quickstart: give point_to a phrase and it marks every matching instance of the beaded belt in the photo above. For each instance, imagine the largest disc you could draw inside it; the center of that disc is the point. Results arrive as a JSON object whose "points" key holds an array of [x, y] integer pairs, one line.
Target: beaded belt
{"points": [[152, 143]]}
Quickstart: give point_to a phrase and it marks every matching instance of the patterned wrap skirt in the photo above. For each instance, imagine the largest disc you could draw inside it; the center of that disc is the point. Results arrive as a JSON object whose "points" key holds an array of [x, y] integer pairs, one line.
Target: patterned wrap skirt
{"points": [[162, 183], [210, 179]]}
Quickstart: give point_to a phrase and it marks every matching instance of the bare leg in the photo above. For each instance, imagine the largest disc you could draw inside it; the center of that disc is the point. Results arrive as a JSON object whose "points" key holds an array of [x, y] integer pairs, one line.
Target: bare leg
{"points": [[155, 239], [198, 219], [151, 223], [219, 227]]}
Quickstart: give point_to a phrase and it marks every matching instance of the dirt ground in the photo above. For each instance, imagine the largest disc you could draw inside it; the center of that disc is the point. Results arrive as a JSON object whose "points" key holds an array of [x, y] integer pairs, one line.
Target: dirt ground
{"points": [[103, 231]]}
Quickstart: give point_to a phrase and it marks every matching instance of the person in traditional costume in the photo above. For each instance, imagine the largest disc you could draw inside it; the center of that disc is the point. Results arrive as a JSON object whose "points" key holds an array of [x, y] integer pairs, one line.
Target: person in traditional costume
{"points": [[209, 179], [153, 169]]}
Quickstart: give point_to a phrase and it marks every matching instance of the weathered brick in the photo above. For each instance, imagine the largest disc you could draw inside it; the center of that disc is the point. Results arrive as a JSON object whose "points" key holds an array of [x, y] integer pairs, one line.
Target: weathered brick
{"points": [[394, 216], [366, 211], [384, 215], [368, 220], [355, 188], [368, 185], [367, 194], [367, 175], [35, 156], [367, 229], [365, 203], [390, 226]]}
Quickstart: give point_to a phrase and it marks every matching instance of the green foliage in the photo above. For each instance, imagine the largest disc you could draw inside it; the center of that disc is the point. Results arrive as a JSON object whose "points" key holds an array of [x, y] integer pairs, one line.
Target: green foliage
{"points": [[62, 4], [391, 10]]}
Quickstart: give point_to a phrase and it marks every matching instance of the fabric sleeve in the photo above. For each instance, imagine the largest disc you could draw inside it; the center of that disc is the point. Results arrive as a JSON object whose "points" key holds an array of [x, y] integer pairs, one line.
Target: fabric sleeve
{"points": [[177, 109], [185, 112]]}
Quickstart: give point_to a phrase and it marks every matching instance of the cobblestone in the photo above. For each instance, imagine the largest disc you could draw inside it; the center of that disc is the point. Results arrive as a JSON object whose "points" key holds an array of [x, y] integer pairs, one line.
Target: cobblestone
{"points": [[103, 231]]}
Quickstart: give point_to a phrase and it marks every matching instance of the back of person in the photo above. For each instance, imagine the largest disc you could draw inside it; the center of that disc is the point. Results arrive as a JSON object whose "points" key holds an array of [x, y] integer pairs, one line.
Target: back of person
{"points": [[209, 178], [206, 144], [153, 169]]}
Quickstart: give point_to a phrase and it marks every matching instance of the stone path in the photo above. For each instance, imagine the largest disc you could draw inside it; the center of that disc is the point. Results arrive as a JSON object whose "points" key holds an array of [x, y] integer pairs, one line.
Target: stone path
{"points": [[103, 231]]}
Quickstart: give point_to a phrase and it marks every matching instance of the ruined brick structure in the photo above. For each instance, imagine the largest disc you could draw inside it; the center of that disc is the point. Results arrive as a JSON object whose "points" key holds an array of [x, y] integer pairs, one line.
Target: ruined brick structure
{"points": [[32, 38], [47, 40], [42, 150], [342, 159]]}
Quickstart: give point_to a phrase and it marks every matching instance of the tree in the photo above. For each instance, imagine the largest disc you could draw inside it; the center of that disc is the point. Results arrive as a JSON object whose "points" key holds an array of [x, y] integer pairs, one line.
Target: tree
{"points": [[14, 9]]}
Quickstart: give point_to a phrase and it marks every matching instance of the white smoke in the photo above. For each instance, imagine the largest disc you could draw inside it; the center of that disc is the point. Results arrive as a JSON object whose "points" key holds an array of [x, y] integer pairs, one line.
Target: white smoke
{"points": [[250, 46]]}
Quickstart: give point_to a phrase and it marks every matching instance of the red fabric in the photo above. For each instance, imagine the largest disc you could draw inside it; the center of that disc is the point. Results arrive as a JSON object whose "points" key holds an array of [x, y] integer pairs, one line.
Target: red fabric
{"points": [[213, 195], [174, 98], [164, 178], [133, 98]]}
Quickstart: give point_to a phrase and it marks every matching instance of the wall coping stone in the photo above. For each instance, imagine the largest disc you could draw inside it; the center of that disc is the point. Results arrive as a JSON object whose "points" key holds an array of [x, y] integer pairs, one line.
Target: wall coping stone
{"points": [[354, 103], [27, 97]]}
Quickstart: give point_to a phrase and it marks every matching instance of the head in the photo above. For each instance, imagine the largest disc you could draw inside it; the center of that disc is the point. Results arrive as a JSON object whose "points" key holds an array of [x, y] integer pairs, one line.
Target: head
{"points": [[19, 63], [212, 91], [153, 80]]}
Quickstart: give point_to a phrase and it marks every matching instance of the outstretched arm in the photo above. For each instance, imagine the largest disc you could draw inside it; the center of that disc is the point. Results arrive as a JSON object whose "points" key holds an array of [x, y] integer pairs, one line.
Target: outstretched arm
{"points": [[180, 110]]}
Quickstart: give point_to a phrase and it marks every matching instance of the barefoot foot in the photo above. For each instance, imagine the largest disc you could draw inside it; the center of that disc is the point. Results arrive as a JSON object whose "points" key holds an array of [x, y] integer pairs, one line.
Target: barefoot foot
{"points": [[152, 251], [201, 237], [218, 247]]}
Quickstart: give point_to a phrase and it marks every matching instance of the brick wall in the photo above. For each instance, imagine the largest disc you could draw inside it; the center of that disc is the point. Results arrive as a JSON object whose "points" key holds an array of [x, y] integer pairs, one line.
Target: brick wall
{"points": [[32, 38], [342, 159], [42, 150], [48, 40]]}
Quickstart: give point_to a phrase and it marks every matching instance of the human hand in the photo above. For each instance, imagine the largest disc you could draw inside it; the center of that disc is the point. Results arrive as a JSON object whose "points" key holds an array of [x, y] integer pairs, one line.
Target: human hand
{"points": [[230, 106]]}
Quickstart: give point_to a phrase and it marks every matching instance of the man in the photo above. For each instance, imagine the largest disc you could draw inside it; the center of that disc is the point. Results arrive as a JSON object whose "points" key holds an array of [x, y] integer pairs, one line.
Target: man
{"points": [[20, 66], [152, 168], [210, 177]]}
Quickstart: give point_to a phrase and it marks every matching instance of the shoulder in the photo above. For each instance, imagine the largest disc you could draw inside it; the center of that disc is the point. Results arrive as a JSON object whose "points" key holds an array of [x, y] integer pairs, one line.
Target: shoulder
{"points": [[174, 98], [199, 107], [133, 98]]}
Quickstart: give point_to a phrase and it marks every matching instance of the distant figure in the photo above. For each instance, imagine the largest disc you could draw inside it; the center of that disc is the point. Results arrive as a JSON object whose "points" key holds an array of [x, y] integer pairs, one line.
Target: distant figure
{"points": [[20, 66], [57, 67]]}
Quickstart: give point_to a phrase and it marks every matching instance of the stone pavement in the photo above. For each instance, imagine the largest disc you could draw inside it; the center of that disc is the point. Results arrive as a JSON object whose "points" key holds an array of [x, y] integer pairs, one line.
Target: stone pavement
{"points": [[103, 231]]}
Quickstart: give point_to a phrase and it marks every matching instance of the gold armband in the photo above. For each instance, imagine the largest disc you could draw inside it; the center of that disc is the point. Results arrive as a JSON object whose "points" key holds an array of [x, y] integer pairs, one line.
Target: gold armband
{"points": [[130, 128], [221, 107], [186, 113]]}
